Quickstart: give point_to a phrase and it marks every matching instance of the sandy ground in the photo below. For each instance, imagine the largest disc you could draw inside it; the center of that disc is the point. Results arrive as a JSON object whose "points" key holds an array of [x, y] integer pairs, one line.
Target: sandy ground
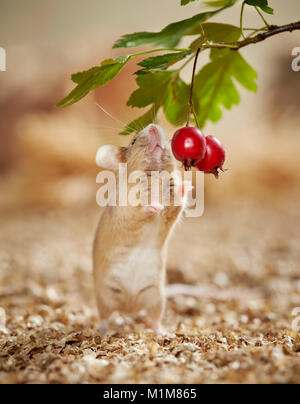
{"points": [[245, 258]]}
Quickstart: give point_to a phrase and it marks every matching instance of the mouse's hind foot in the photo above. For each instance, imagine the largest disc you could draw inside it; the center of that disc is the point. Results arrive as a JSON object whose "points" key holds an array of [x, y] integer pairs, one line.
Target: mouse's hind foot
{"points": [[160, 331], [103, 328]]}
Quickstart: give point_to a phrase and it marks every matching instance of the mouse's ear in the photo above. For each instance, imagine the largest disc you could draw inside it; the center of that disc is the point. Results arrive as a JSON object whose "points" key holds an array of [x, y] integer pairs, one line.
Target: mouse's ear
{"points": [[109, 157]]}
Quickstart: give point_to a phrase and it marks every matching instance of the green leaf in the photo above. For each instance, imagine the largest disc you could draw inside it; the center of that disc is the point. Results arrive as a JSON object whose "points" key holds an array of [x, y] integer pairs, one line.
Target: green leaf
{"points": [[263, 4], [215, 87], [176, 104], [141, 122], [81, 76], [218, 32], [217, 3], [162, 62], [185, 2], [93, 78], [152, 89], [215, 32], [171, 35], [173, 95]]}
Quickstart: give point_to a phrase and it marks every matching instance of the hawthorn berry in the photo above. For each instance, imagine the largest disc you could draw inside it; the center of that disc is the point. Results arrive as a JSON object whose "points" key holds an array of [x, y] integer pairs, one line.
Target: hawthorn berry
{"points": [[189, 145], [214, 158]]}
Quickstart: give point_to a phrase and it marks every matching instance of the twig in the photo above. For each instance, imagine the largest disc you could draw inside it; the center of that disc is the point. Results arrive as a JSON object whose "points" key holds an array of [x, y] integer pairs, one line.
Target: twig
{"points": [[273, 30]]}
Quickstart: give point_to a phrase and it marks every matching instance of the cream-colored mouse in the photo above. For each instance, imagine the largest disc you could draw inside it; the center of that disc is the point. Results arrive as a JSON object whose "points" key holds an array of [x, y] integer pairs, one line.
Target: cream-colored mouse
{"points": [[130, 244]]}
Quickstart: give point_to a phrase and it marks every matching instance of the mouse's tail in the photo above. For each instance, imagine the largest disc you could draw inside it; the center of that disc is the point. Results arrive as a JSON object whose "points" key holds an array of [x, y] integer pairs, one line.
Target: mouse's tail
{"points": [[181, 289], [211, 292]]}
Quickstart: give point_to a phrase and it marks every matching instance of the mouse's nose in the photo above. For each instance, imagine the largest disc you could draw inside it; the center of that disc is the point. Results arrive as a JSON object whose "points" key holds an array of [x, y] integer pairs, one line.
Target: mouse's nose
{"points": [[155, 135], [153, 130]]}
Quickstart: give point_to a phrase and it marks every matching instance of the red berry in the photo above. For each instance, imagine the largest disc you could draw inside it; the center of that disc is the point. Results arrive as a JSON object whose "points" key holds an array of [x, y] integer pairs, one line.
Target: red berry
{"points": [[188, 145], [214, 157]]}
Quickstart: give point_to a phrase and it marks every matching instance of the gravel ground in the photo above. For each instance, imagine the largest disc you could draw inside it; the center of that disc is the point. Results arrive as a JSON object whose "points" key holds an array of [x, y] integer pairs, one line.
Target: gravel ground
{"points": [[245, 259]]}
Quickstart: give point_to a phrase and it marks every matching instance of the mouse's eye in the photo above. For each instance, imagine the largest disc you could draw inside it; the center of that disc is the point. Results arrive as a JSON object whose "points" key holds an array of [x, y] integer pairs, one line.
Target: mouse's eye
{"points": [[133, 142], [116, 290]]}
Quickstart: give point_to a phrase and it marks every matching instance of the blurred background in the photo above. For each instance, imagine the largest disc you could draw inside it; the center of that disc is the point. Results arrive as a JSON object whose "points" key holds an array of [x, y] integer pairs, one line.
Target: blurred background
{"points": [[249, 234], [45, 151]]}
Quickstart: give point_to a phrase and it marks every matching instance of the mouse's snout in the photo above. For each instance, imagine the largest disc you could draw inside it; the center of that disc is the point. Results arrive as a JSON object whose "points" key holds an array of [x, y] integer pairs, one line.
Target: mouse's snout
{"points": [[156, 137]]}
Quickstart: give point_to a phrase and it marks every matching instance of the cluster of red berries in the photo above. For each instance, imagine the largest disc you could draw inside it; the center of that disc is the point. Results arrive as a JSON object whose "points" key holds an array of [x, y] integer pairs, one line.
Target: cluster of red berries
{"points": [[192, 148]]}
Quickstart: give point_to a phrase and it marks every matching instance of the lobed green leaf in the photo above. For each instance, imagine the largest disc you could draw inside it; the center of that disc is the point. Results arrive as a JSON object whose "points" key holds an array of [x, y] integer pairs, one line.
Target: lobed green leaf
{"points": [[152, 89], [176, 104], [173, 95], [215, 32], [215, 87]]}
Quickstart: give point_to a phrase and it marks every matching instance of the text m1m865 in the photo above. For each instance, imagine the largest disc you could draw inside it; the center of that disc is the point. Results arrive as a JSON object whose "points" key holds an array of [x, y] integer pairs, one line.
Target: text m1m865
{"points": [[172, 393]]}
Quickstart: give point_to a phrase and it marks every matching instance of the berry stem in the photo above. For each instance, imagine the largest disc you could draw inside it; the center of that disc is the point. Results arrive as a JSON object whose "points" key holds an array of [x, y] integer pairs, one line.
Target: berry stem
{"points": [[191, 102], [262, 17], [241, 19]]}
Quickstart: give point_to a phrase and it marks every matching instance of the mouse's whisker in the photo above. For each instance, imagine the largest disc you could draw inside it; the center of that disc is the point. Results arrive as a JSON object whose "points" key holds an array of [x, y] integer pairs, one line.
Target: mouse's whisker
{"points": [[106, 127], [137, 128], [120, 128], [110, 115], [115, 127]]}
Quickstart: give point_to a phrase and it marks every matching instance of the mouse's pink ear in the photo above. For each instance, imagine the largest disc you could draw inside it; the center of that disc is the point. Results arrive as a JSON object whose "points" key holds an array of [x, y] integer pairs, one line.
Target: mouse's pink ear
{"points": [[108, 156]]}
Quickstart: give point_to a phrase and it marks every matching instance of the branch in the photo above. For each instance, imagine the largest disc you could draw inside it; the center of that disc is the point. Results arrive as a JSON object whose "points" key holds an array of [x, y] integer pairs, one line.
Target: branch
{"points": [[273, 30]]}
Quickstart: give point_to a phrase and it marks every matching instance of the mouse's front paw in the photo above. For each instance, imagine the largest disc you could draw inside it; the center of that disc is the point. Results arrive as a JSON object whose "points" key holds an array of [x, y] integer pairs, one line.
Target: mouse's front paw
{"points": [[183, 190], [187, 187], [153, 208]]}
